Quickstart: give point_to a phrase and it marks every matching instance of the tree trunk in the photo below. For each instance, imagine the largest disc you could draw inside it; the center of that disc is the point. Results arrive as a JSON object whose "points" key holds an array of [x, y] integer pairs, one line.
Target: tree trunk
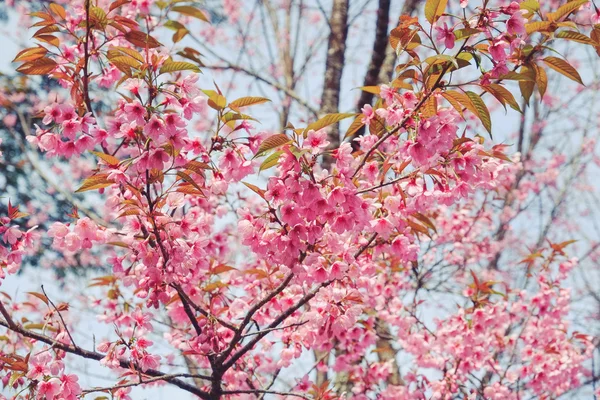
{"points": [[383, 58], [334, 66]]}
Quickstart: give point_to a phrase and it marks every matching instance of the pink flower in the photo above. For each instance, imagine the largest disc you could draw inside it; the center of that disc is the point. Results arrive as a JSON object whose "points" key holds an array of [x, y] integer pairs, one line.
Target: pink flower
{"points": [[58, 230], [516, 24], [387, 93], [154, 128], [70, 387], [49, 389], [316, 141], [149, 361], [135, 112], [368, 114], [133, 85], [497, 50], [382, 226], [38, 366], [188, 85], [446, 34], [52, 114], [12, 235]]}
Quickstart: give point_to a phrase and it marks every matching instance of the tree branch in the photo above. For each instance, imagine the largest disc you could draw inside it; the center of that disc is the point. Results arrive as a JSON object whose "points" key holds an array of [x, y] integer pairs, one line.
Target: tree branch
{"points": [[98, 356]]}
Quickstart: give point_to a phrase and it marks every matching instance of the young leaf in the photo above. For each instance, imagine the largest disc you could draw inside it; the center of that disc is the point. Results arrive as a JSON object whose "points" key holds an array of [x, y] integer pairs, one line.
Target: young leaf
{"points": [[464, 33], [98, 18], [370, 89], [247, 101], [50, 39], [58, 10], [270, 161], [40, 296], [255, 189], [566, 9], [272, 142], [527, 86], [40, 66], [530, 5], [434, 9], [539, 26], [189, 180], [117, 3], [141, 39], [124, 61], [99, 181], [354, 126], [119, 51], [482, 111], [191, 11], [564, 68], [327, 120], [503, 95], [541, 79], [575, 37], [31, 54], [452, 98], [174, 66], [107, 158]]}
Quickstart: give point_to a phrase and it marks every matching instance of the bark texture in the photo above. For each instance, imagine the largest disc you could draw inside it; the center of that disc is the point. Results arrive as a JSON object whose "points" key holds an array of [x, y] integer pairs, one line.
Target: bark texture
{"points": [[334, 67], [383, 58]]}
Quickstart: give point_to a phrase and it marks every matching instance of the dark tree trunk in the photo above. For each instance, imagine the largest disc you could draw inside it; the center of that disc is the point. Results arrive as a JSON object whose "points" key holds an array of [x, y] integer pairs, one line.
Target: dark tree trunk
{"points": [[334, 67], [383, 58]]}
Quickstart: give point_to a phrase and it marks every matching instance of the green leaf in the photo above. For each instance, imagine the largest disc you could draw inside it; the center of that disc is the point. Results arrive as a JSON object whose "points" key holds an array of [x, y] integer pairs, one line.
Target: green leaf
{"points": [[441, 58], [271, 161], [527, 86], [191, 11], [464, 33], [328, 120], [516, 76], [174, 25], [107, 158], [564, 68], [232, 116], [40, 66], [215, 99], [434, 9], [189, 180], [174, 66], [94, 182], [98, 16], [530, 5], [503, 95], [576, 37], [272, 142], [482, 111], [371, 89], [354, 126], [566, 9], [248, 101]]}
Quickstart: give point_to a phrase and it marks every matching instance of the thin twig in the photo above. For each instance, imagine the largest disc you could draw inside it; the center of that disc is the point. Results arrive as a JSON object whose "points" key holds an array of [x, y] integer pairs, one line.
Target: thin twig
{"points": [[98, 356], [61, 317]]}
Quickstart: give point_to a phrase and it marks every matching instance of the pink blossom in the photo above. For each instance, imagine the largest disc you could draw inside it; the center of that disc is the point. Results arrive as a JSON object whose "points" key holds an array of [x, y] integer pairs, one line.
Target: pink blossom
{"points": [[516, 24], [445, 34], [49, 389]]}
